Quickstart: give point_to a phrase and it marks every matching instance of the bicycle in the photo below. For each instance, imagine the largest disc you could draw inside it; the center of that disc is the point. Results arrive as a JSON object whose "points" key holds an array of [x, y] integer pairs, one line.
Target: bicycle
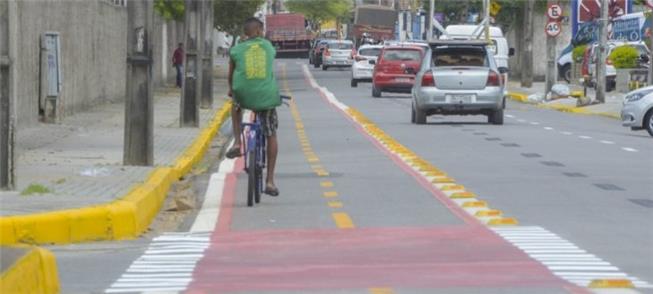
{"points": [[255, 157]]}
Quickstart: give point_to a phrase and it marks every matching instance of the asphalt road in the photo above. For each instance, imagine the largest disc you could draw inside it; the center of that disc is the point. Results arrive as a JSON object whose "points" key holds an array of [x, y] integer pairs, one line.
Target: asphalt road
{"points": [[353, 218]]}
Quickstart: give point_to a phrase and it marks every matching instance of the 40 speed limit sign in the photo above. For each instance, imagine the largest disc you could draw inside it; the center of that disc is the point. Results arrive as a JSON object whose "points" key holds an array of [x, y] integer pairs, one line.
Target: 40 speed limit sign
{"points": [[552, 28]]}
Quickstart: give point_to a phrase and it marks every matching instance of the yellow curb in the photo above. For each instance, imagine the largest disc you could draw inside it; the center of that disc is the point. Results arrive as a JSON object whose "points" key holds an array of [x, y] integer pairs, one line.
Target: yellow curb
{"points": [[505, 221], [611, 283], [462, 195], [124, 218], [489, 212], [521, 97], [435, 173], [563, 108], [34, 272], [472, 204]]}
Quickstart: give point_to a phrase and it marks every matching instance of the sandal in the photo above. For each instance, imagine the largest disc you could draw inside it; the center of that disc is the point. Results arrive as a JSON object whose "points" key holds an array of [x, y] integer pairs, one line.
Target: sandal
{"points": [[233, 152], [271, 190]]}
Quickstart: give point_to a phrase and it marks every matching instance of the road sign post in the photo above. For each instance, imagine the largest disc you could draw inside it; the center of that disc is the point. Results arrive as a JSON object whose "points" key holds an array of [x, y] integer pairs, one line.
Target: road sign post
{"points": [[6, 104], [552, 30], [192, 87]]}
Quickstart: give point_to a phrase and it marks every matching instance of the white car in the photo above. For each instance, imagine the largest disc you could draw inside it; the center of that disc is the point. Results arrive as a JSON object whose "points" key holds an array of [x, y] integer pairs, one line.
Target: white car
{"points": [[637, 112], [361, 70]]}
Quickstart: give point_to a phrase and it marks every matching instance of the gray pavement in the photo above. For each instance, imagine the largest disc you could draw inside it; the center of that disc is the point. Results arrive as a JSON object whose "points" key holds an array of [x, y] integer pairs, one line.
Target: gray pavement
{"points": [[585, 178], [80, 160]]}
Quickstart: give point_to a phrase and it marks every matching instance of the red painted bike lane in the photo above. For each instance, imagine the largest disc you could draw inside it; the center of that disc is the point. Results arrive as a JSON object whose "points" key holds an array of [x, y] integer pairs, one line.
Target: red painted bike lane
{"points": [[467, 256]]}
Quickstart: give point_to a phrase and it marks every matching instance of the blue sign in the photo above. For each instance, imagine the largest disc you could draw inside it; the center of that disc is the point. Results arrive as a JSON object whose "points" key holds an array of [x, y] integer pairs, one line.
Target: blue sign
{"points": [[627, 29]]}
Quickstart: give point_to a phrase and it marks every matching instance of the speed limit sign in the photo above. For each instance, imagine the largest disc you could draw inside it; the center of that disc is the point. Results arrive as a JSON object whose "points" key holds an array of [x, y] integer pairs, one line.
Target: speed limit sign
{"points": [[552, 29]]}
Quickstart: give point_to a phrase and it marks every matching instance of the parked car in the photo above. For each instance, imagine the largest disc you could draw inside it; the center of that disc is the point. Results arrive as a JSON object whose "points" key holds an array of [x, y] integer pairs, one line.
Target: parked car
{"points": [[637, 111], [610, 71], [361, 69], [338, 53], [395, 69], [459, 77], [315, 55]]}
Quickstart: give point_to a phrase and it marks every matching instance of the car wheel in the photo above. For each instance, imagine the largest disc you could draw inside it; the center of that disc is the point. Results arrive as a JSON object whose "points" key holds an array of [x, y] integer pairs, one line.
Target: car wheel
{"points": [[316, 64], [376, 92], [565, 72], [496, 117], [324, 67], [420, 115], [354, 83], [412, 114], [648, 122]]}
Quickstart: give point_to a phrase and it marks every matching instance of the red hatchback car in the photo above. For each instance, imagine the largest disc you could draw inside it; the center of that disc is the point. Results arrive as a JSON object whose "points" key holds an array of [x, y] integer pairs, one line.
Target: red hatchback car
{"points": [[395, 69]]}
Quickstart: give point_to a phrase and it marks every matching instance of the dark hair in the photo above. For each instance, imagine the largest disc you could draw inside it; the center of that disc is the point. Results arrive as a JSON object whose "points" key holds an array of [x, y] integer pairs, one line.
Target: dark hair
{"points": [[253, 21], [251, 25]]}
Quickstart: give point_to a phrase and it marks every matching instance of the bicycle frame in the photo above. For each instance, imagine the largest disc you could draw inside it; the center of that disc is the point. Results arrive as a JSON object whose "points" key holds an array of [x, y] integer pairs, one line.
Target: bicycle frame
{"points": [[254, 139]]}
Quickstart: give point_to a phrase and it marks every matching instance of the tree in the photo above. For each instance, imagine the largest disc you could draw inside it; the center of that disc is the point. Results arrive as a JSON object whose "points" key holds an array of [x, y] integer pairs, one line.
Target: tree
{"points": [[230, 15], [170, 9], [319, 11]]}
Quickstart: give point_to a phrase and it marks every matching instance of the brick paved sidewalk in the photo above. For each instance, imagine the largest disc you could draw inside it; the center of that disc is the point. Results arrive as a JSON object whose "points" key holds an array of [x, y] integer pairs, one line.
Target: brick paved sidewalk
{"points": [[80, 160]]}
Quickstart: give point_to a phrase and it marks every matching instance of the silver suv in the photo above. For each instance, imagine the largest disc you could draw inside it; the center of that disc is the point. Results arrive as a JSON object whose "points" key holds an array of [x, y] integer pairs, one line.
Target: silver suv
{"points": [[458, 78]]}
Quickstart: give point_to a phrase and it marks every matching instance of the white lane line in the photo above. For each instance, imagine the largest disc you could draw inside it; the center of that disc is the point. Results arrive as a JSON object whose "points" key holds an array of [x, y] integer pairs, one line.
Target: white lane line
{"points": [[207, 218], [521, 120], [561, 257], [510, 116], [149, 289], [548, 128], [607, 142], [629, 149], [585, 137], [535, 123], [567, 133]]}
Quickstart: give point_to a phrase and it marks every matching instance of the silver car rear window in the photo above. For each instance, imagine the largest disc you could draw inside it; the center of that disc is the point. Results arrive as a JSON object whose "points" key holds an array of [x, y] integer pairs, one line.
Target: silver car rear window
{"points": [[341, 46], [456, 56]]}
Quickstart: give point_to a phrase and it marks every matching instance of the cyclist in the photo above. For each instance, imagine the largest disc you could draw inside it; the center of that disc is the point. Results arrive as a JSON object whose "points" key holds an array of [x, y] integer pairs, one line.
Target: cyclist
{"points": [[253, 86]]}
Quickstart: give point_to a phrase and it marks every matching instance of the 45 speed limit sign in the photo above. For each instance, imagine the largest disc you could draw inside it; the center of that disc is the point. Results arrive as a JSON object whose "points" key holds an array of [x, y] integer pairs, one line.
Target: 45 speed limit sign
{"points": [[552, 29]]}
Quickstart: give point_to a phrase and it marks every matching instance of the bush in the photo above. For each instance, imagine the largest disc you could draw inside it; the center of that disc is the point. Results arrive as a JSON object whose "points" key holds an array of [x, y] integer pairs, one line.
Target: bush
{"points": [[578, 53], [624, 57]]}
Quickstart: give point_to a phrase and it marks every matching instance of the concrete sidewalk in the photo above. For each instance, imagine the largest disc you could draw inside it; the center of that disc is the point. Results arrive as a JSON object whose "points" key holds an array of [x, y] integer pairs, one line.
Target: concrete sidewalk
{"points": [[78, 163], [611, 108]]}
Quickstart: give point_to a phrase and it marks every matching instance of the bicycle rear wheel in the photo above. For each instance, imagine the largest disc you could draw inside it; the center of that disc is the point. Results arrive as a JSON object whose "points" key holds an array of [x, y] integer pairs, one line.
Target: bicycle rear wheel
{"points": [[251, 179], [259, 184]]}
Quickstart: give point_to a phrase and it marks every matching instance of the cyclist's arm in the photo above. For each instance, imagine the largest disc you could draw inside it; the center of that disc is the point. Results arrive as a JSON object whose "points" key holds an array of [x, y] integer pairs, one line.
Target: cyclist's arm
{"points": [[230, 75]]}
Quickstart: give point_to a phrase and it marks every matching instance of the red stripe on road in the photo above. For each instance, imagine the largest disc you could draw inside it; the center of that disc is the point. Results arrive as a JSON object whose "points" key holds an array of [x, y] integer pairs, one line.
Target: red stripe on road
{"points": [[441, 257]]}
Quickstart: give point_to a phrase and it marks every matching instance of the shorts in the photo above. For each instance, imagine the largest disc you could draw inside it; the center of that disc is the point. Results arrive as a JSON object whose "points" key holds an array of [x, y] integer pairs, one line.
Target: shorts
{"points": [[268, 118], [269, 121]]}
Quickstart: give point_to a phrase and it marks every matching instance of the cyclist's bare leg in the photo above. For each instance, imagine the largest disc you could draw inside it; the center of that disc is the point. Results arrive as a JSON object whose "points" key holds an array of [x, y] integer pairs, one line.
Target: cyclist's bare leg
{"points": [[272, 151], [236, 120]]}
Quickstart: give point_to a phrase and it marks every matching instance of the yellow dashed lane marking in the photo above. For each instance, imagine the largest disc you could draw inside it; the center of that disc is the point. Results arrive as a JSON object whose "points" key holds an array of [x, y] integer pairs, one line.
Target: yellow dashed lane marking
{"points": [[381, 291], [326, 184], [330, 194], [343, 221], [335, 204]]}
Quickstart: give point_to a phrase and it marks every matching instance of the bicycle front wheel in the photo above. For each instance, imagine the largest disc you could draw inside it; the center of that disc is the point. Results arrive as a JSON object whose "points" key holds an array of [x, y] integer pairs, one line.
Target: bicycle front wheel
{"points": [[252, 178]]}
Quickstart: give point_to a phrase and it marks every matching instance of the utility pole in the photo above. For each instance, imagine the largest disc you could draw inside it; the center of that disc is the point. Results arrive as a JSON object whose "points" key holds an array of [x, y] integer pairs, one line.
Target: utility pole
{"points": [[650, 61], [7, 179], [600, 56], [192, 87], [527, 51], [430, 21], [207, 61], [139, 103], [486, 12]]}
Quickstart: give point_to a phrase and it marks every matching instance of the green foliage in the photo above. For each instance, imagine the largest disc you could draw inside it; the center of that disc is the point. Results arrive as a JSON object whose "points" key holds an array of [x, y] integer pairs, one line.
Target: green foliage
{"points": [[578, 53], [318, 11], [229, 15], [624, 57], [35, 189], [170, 9]]}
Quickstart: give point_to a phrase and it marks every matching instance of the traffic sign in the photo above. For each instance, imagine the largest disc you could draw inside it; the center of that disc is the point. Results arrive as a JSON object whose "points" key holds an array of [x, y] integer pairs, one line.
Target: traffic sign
{"points": [[552, 28], [554, 12]]}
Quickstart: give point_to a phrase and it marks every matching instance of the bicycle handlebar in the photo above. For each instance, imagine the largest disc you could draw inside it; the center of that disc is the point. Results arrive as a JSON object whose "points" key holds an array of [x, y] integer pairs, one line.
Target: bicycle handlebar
{"points": [[285, 97]]}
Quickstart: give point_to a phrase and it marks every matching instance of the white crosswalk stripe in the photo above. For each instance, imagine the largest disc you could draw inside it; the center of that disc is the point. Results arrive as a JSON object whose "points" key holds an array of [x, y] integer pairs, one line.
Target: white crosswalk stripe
{"points": [[562, 257], [166, 266]]}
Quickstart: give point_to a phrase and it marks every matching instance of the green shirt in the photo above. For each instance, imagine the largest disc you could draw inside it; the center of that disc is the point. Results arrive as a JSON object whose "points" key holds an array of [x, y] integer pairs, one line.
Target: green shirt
{"points": [[253, 83]]}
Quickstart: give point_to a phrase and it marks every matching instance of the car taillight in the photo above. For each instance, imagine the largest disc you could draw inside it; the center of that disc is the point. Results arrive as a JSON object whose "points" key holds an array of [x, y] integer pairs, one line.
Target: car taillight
{"points": [[428, 80], [493, 79], [326, 52]]}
